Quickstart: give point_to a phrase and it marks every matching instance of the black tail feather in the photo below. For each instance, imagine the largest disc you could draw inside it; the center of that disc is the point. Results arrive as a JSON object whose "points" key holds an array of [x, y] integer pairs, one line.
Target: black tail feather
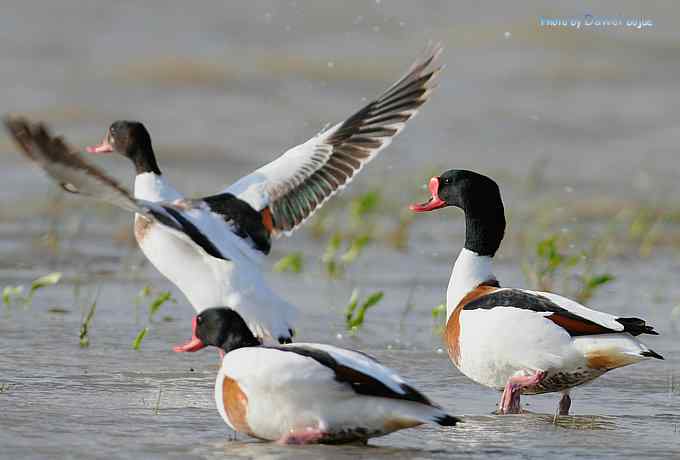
{"points": [[447, 420], [651, 354], [636, 326]]}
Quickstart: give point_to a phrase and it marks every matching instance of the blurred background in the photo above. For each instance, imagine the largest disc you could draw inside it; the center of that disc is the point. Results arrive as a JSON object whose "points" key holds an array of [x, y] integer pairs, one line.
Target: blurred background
{"points": [[578, 126]]}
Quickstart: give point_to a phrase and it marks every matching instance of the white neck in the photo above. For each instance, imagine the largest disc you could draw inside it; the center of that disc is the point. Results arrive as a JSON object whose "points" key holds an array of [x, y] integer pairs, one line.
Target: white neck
{"points": [[153, 187], [469, 271]]}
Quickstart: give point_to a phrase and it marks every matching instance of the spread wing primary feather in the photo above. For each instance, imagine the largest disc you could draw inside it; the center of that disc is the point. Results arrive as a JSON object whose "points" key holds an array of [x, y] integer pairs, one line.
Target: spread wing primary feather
{"points": [[75, 175], [291, 188]]}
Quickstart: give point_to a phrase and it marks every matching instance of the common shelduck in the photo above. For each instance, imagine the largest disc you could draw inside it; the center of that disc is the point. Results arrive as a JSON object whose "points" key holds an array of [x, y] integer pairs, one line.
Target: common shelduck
{"points": [[305, 392], [516, 340], [212, 248]]}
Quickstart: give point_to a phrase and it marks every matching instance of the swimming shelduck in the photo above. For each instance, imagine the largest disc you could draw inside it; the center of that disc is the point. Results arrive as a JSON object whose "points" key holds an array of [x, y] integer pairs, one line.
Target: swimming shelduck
{"points": [[212, 248], [306, 392], [516, 340]]}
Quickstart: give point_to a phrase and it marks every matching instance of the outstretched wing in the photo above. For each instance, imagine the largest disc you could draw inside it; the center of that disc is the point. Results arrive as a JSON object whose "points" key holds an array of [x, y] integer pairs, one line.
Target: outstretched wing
{"points": [[65, 166], [290, 189], [571, 316], [74, 174]]}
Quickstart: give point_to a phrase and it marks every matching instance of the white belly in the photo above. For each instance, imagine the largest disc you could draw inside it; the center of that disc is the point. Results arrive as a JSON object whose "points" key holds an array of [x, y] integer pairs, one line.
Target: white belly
{"points": [[204, 284], [498, 344]]}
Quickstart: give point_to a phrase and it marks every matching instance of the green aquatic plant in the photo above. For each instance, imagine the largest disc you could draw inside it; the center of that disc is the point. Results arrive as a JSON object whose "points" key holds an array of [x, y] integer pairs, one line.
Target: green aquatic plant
{"points": [[552, 265], [154, 307], [137, 342], [331, 265], [398, 238], [293, 263], [362, 206], [157, 407], [356, 247], [158, 302], [439, 315], [42, 282], [15, 293], [84, 336], [10, 293], [355, 314]]}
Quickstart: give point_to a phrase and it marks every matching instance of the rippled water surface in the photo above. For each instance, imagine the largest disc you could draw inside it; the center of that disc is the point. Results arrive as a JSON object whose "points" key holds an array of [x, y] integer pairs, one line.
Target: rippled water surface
{"points": [[571, 121]]}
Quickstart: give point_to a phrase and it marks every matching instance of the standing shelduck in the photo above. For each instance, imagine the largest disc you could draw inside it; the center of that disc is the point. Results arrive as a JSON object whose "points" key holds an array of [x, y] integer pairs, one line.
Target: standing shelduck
{"points": [[305, 392], [212, 248], [515, 340]]}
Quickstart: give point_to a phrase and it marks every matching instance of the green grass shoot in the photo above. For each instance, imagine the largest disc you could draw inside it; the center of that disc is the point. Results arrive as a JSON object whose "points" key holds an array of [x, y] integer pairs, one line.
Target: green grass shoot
{"points": [[84, 336], [291, 263], [355, 314], [158, 302], [333, 269], [356, 247], [11, 293], [137, 343], [364, 205]]}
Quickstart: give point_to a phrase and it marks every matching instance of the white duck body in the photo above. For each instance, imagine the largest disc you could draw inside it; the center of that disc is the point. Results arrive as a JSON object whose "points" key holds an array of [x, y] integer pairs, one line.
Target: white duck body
{"points": [[270, 393], [495, 343], [208, 281]]}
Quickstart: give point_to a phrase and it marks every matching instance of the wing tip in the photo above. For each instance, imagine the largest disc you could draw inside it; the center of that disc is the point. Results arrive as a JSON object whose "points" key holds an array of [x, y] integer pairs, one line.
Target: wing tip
{"points": [[636, 326], [651, 354]]}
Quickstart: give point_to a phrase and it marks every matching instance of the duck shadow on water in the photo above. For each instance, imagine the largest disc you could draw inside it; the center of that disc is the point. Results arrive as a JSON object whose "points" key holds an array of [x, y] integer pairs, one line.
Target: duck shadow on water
{"points": [[239, 448], [469, 437]]}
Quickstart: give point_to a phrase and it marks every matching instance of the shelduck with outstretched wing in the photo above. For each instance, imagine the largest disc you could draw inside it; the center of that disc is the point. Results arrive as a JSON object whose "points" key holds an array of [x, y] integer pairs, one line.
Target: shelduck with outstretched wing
{"points": [[212, 248], [187, 224]]}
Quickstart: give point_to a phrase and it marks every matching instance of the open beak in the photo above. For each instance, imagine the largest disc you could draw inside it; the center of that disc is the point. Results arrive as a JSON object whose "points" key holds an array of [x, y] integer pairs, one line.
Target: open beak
{"points": [[192, 345], [434, 202], [104, 147]]}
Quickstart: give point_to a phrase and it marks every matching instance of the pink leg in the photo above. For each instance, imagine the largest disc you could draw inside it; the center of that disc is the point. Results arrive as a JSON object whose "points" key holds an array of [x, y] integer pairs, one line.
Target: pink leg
{"points": [[308, 436], [509, 403]]}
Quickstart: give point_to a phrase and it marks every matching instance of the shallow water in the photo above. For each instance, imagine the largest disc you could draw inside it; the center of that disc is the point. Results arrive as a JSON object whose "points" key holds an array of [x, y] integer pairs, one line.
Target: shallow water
{"points": [[223, 89]]}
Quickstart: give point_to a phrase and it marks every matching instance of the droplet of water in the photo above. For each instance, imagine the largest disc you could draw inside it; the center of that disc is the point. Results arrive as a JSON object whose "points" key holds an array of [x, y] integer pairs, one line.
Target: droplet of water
{"points": [[568, 189], [338, 336], [507, 35], [402, 23], [376, 28], [331, 64], [440, 351]]}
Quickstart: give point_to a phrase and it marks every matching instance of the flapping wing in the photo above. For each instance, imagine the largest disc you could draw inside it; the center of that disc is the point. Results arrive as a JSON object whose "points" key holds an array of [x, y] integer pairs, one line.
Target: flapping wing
{"points": [[65, 166], [74, 174], [291, 188]]}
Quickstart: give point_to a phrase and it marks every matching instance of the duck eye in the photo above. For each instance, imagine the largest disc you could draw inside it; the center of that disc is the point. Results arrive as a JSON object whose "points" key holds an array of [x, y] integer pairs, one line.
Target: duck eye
{"points": [[199, 319]]}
